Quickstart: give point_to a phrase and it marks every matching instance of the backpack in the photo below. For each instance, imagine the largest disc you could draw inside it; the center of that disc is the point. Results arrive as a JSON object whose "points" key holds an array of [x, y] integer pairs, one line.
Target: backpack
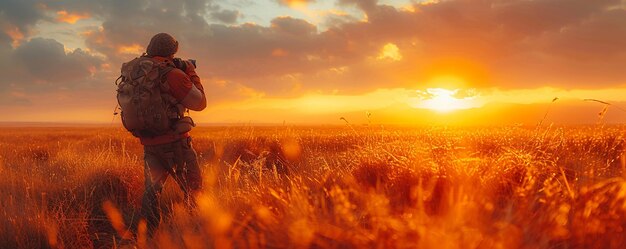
{"points": [[147, 109]]}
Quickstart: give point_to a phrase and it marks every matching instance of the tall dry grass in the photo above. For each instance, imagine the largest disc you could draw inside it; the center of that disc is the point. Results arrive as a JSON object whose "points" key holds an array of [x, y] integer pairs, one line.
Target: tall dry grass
{"points": [[323, 187]]}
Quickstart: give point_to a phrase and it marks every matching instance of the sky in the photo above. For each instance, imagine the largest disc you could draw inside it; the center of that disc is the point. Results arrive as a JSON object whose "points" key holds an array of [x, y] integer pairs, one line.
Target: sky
{"points": [[316, 61]]}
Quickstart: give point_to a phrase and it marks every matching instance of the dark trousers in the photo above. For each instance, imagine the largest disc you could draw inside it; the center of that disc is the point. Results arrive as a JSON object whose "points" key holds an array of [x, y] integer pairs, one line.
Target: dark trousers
{"points": [[176, 159]]}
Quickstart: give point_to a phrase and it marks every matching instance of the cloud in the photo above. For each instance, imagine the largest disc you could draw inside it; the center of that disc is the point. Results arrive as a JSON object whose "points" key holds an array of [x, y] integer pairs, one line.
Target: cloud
{"points": [[71, 18], [20, 13], [293, 27], [487, 43], [365, 5], [598, 37], [390, 52], [510, 44], [225, 16], [128, 25], [41, 65], [46, 60]]}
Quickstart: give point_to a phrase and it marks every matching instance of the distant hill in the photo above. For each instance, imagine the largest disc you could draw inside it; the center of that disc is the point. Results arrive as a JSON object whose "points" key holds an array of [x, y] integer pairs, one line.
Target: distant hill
{"points": [[560, 112], [55, 124]]}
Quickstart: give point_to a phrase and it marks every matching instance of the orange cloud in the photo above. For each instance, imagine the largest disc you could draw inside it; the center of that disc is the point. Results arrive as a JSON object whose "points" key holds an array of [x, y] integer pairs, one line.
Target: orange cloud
{"points": [[390, 52], [130, 49], [16, 36], [71, 18]]}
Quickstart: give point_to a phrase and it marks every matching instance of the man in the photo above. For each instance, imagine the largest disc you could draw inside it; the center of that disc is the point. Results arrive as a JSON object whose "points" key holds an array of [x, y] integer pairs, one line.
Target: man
{"points": [[171, 153]]}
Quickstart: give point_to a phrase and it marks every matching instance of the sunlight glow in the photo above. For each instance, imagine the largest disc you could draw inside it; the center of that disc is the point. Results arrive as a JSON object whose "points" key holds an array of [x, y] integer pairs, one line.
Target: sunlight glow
{"points": [[443, 100], [446, 82], [296, 4]]}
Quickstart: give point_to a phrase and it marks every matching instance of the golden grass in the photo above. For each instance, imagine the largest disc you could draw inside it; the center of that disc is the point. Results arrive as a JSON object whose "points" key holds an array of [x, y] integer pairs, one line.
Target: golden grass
{"points": [[323, 187]]}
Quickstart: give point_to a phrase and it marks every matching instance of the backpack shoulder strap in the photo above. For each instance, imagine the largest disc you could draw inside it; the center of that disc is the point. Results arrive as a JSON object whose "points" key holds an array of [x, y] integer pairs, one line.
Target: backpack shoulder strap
{"points": [[164, 69]]}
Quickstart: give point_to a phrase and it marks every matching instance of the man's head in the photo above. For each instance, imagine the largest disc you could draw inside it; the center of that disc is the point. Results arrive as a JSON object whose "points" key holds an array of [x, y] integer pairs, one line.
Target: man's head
{"points": [[162, 44]]}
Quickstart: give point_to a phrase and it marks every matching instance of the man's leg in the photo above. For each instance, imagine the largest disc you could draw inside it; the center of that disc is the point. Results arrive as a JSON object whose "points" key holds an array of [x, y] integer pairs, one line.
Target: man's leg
{"points": [[155, 175], [188, 174]]}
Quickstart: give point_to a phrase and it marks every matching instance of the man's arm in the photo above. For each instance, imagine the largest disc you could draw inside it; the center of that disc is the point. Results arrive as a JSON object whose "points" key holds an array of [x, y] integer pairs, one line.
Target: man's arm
{"points": [[187, 88]]}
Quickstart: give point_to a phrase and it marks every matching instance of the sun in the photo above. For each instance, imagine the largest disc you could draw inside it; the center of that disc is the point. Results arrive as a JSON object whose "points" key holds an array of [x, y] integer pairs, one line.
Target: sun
{"points": [[442, 100]]}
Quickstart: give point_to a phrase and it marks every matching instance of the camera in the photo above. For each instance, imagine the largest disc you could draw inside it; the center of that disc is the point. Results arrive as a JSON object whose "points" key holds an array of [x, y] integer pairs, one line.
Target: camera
{"points": [[180, 63]]}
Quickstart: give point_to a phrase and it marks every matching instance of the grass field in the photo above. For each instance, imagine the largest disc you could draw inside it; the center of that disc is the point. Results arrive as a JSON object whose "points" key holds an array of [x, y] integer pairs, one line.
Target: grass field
{"points": [[324, 187]]}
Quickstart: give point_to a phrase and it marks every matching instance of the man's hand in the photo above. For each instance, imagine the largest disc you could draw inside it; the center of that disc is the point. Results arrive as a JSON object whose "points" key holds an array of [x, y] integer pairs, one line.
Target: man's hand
{"points": [[184, 65], [189, 66]]}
